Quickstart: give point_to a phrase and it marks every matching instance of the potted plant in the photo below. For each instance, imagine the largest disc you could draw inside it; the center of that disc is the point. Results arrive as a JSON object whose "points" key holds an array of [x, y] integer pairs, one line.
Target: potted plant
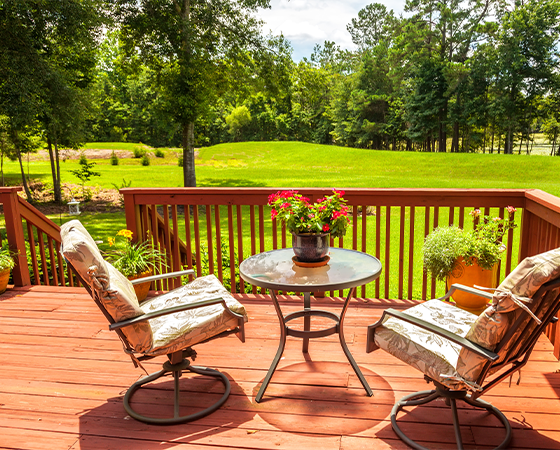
{"points": [[311, 224], [7, 263], [469, 257], [134, 260]]}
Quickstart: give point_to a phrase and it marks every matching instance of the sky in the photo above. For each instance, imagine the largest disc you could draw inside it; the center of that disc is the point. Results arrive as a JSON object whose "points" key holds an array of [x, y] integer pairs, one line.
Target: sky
{"points": [[308, 22]]}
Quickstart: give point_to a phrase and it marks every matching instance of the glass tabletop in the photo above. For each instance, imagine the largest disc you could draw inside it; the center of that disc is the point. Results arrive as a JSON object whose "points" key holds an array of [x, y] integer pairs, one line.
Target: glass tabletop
{"points": [[276, 270]]}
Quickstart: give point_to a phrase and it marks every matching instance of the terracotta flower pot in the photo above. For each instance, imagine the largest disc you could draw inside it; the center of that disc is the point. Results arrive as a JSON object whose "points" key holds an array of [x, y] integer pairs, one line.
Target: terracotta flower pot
{"points": [[4, 277], [141, 289], [470, 276]]}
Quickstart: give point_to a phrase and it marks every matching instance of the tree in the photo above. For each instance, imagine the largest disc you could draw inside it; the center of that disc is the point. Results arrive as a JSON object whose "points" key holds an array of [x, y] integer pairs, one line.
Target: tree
{"points": [[373, 25], [47, 55], [525, 61], [185, 41], [85, 172]]}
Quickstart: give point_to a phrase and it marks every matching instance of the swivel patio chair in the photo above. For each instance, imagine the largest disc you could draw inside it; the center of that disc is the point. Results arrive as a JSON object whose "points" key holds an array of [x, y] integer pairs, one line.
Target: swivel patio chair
{"points": [[169, 324], [465, 355]]}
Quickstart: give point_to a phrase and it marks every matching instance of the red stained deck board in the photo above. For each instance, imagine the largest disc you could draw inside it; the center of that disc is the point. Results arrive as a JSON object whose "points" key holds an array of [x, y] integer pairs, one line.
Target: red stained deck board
{"points": [[63, 375]]}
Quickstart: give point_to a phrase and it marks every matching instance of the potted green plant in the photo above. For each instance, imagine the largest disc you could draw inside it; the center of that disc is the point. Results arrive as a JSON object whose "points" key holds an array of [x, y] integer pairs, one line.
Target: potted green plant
{"points": [[469, 257], [7, 263], [134, 260], [311, 224]]}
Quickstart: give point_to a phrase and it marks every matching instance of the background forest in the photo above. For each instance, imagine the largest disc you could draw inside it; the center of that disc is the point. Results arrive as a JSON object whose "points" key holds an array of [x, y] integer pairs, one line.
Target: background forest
{"points": [[447, 76]]}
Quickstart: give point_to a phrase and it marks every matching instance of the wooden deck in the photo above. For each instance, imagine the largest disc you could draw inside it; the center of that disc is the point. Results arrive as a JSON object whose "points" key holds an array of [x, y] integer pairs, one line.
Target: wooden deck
{"points": [[63, 375]]}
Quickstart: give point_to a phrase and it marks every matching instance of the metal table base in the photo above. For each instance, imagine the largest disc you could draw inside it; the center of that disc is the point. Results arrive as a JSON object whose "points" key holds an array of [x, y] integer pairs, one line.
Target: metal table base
{"points": [[307, 334]]}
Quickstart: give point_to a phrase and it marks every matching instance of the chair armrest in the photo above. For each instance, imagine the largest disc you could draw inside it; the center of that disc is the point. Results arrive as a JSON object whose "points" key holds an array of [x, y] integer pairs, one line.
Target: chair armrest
{"points": [[162, 276], [173, 310], [470, 290], [465, 343]]}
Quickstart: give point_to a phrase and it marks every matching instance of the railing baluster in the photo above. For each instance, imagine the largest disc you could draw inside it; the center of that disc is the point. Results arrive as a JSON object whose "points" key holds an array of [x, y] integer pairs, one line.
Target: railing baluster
{"points": [[364, 240], [209, 239], [197, 249], [32, 250], [411, 251], [240, 245], [436, 224], [54, 268], [188, 238], [231, 250], [378, 246], [387, 249], [218, 243], [176, 246], [401, 251], [43, 257], [427, 231], [253, 237]]}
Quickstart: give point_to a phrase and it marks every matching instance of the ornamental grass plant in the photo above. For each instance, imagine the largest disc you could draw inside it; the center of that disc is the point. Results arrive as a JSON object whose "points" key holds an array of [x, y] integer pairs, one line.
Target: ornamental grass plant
{"points": [[131, 258], [482, 245], [326, 215], [6, 259]]}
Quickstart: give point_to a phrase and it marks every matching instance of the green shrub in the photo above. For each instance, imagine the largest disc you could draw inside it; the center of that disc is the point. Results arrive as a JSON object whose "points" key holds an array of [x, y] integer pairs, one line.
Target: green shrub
{"points": [[145, 161], [114, 159], [139, 152], [180, 161], [83, 159], [159, 153]]}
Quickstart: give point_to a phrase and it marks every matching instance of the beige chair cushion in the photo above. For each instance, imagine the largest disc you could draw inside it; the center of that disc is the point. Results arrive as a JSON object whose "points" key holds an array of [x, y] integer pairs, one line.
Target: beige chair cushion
{"points": [[524, 281], [110, 287], [186, 328], [433, 355]]}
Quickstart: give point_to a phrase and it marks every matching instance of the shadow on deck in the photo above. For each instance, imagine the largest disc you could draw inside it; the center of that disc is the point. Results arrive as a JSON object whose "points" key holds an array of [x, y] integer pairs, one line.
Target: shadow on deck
{"points": [[63, 376]]}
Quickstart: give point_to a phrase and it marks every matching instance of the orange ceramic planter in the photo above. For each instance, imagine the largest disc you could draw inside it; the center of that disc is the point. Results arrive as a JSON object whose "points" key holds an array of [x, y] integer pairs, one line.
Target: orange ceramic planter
{"points": [[4, 277], [141, 289], [470, 276]]}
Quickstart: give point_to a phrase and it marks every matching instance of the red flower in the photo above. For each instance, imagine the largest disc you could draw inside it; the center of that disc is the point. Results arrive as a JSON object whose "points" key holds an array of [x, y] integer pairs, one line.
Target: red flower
{"points": [[273, 213], [340, 193], [326, 227]]}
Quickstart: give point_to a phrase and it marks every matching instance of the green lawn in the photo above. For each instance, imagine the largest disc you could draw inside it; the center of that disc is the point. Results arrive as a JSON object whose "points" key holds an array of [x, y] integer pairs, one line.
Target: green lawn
{"points": [[294, 164]]}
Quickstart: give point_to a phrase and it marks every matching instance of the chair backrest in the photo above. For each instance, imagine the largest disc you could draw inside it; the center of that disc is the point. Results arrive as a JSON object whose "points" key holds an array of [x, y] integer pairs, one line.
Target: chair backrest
{"points": [[523, 304], [112, 291]]}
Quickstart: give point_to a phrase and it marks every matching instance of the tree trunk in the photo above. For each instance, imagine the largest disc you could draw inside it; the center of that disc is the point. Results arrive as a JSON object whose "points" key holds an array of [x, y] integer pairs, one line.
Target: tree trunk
{"points": [[53, 168], [57, 187], [189, 175], [23, 177]]}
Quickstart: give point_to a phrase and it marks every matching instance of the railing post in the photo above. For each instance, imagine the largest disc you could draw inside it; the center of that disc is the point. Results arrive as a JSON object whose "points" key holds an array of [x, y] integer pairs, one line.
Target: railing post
{"points": [[132, 215], [16, 237]]}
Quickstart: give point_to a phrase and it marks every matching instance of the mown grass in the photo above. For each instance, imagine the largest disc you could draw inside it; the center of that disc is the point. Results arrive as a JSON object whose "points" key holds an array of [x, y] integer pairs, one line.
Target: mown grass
{"points": [[295, 164]]}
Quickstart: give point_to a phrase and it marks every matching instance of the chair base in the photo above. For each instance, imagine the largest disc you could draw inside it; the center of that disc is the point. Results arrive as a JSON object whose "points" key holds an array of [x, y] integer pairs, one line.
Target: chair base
{"points": [[176, 370], [423, 397]]}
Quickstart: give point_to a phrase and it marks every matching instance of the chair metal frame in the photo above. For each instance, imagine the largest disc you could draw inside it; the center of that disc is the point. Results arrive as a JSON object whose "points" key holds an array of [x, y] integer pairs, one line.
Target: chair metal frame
{"points": [[512, 362], [178, 361]]}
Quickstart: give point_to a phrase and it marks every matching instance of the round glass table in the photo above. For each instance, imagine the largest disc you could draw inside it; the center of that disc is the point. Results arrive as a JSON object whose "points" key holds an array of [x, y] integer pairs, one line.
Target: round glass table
{"points": [[276, 271]]}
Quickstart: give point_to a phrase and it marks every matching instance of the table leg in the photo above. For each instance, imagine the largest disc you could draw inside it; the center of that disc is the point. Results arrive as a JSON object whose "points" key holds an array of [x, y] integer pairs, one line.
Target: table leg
{"points": [[279, 352], [306, 320], [347, 351]]}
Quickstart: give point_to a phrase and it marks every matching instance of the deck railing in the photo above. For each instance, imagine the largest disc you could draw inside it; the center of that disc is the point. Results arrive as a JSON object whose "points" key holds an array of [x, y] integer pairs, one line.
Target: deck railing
{"points": [[388, 223], [214, 229]]}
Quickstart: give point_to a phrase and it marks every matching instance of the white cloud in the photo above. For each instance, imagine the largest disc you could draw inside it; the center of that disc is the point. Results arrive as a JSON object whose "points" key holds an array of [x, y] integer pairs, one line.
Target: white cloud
{"points": [[308, 22]]}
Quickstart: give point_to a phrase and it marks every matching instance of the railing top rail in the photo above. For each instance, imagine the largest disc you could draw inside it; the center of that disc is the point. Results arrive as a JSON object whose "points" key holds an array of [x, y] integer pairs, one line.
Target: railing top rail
{"points": [[355, 196]]}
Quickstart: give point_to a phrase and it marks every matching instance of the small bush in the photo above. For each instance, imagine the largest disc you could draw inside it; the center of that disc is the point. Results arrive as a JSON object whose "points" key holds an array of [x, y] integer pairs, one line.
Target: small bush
{"points": [[180, 161], [159, 153], [114, 159], [139, 152], [83, 159], [145, 161]]}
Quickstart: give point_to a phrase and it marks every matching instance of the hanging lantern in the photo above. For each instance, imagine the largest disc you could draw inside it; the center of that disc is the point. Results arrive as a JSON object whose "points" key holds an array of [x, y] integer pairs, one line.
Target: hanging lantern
{"points": [[73, 207]]}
